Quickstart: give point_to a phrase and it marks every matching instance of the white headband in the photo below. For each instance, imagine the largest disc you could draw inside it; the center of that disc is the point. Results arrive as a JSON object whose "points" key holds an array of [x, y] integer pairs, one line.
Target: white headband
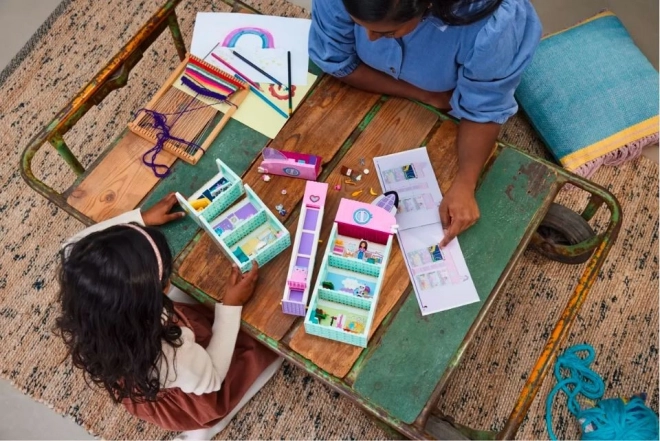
{"points": [[153, 245]]}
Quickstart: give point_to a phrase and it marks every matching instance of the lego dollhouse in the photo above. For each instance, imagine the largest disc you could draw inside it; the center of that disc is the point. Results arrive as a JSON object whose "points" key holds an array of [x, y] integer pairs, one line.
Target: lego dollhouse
{"points": [[244, 231], [344, 299]]}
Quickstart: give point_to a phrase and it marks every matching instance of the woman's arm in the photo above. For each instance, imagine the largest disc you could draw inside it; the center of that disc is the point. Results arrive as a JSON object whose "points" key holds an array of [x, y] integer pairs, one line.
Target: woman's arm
{"points": [[371, 80], [459, 210]]}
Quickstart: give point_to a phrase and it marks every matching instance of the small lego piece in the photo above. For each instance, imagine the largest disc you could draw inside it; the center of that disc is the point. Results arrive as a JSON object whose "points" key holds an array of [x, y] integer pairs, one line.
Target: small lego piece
{"points": [[365, 171], [283, 191], [345, 171], [372, 192], [358, 178], [200, 204], [265, 178], [356, 193], [349, 182], [361, 162], [328, 285], [337, 187]]}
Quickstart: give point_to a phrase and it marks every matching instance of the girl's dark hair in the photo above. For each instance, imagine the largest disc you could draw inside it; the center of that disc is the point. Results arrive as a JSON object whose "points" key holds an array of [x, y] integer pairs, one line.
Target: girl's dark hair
{"points": [[452, 12], [115, 315]]}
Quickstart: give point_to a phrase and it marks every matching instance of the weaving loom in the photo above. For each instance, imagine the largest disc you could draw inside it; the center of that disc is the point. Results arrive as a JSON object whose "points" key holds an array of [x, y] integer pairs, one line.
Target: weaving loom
{"points": [[176, 121]]}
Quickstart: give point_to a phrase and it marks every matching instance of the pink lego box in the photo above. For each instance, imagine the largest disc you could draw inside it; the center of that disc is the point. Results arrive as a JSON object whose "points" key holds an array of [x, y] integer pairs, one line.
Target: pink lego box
{"points": [[291, 164]]}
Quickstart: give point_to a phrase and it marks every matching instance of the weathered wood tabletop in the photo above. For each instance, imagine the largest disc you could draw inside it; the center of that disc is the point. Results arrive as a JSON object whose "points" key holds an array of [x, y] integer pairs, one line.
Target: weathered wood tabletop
{"points": [[344, 125]]}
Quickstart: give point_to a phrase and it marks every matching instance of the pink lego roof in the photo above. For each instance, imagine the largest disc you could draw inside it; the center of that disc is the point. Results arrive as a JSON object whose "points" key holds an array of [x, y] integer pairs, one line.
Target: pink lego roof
{"points": [[367, 221]]}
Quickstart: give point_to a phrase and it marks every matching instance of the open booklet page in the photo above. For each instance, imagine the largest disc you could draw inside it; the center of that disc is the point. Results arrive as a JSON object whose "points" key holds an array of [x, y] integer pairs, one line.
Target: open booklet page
{"points": [[440, 277]]}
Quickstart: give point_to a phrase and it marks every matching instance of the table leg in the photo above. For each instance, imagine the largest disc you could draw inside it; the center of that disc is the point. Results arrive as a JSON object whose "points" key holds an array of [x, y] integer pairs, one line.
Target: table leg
{"points": [[173, 24], [63, 150]]}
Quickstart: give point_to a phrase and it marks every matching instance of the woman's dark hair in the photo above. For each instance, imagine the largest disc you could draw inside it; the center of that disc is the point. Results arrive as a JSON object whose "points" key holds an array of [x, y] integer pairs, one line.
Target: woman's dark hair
{"points": [[452, 12], [115, 315]]}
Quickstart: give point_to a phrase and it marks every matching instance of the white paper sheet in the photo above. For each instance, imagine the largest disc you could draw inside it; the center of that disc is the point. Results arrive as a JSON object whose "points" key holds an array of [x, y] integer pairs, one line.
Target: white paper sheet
{"points": [[440, 277], [262, 39]]}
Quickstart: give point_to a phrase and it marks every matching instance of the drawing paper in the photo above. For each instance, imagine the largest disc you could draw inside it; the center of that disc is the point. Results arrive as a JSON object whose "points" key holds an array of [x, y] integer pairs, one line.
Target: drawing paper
{"points": [[440, 277], [262, 39], [256, 114]]}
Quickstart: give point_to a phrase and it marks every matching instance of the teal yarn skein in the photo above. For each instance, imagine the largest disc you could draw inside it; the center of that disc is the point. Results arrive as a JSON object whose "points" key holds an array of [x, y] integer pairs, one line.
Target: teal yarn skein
{"points": [[611, 419]]}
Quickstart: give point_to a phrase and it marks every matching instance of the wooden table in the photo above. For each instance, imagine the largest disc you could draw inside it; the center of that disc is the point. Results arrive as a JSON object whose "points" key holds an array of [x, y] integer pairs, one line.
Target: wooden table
{"points": [[399, 376]]}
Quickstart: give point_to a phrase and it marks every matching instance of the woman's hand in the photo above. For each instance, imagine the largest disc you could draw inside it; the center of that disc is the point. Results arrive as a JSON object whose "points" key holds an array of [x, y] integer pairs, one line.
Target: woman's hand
{"points": [[439, 100], [241, 287], [458, 211], [159, 213]]}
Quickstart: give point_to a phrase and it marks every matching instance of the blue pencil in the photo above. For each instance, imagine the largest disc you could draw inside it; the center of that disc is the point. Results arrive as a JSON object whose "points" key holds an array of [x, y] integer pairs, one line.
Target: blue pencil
{"points": [[263, 97]]}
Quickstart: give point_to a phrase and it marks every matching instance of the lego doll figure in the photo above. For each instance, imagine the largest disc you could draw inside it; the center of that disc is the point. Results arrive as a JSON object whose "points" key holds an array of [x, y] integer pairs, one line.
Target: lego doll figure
{"points": [[362, 250]]}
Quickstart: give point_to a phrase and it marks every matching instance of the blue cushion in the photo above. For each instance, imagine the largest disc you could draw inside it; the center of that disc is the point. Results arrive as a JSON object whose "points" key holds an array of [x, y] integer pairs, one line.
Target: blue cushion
{"points": [[591, 94]]}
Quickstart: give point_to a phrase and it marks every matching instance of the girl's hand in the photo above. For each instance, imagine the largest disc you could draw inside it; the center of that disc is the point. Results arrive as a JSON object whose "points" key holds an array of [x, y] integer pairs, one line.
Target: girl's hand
{"points": [[458, 211], [241, 287], [159, 213]]}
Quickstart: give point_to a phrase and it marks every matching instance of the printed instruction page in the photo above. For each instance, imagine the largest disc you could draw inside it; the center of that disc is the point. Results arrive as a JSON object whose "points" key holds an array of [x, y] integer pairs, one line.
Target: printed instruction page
{"points": [[440, 277]]}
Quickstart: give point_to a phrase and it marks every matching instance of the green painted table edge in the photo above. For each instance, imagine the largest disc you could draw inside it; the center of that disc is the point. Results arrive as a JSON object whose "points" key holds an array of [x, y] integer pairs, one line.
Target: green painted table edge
{"points": [[429, 345]]}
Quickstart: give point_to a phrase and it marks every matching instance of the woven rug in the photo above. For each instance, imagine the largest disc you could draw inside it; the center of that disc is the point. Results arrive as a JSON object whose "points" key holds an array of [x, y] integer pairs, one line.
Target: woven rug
{"points": [[620, 317]]}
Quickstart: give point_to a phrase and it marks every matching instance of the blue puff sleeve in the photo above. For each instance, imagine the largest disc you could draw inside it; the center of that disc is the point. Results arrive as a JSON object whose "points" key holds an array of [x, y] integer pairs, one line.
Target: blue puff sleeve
{"points": [[493, 62], [332, 38]]}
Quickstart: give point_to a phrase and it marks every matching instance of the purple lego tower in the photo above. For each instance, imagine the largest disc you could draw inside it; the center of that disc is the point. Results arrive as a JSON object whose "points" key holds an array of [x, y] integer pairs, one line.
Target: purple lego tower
{"points": [[298, 280]]}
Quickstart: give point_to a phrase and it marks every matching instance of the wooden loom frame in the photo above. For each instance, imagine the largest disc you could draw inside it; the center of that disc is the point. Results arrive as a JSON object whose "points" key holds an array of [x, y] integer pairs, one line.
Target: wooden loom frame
{"points": [[238, 98]]}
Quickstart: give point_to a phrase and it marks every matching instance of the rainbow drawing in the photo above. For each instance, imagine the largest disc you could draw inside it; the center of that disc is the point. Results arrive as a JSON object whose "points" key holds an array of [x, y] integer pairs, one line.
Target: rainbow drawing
{"points": [[267, 41]]}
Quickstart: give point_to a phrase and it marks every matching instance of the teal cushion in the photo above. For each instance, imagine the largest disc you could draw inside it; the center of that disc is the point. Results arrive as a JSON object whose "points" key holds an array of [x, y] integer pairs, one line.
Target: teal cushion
{"points": [[591, 94]]}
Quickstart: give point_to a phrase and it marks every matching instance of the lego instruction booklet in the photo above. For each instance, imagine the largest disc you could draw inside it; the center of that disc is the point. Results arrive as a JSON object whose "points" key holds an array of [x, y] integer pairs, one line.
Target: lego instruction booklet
{"points": [[440, 277]]}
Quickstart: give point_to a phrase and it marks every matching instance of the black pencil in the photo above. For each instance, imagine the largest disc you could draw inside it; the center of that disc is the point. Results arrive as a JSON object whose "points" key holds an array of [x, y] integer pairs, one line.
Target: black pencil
{"points": [[254, 66], [288, 60]]}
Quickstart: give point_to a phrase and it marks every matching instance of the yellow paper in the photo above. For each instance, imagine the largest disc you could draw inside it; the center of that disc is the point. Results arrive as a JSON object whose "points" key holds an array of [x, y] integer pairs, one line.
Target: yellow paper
{"points": [[256, 114]]}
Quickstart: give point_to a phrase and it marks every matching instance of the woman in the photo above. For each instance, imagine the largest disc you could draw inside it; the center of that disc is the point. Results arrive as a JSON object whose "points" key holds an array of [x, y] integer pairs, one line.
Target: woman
{"points": [[465, 56]]}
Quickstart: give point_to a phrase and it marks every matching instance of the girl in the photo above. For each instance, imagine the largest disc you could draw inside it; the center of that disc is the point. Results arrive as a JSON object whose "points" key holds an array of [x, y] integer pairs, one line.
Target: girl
{"points": [[176, 365], [466, 56]]}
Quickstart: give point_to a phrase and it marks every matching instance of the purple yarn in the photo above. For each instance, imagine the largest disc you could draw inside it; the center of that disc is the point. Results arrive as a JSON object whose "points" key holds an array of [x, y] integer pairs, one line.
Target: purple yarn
{"points": [[160, 124], [199, 90]]}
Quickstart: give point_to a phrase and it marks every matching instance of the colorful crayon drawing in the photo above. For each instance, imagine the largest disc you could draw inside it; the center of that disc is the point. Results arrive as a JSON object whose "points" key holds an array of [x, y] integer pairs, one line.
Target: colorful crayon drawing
{"points": [[281, 93], [267, 40]]}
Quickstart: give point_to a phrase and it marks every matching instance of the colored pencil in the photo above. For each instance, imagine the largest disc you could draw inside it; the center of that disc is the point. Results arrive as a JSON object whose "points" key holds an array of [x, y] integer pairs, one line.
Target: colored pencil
{"points": [[257, 68], [288, 61], [236, 71], [264, 99]]}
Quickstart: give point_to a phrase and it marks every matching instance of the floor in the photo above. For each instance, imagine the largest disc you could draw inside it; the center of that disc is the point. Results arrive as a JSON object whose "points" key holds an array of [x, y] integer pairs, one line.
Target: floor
{"points": [[23, 418]]}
